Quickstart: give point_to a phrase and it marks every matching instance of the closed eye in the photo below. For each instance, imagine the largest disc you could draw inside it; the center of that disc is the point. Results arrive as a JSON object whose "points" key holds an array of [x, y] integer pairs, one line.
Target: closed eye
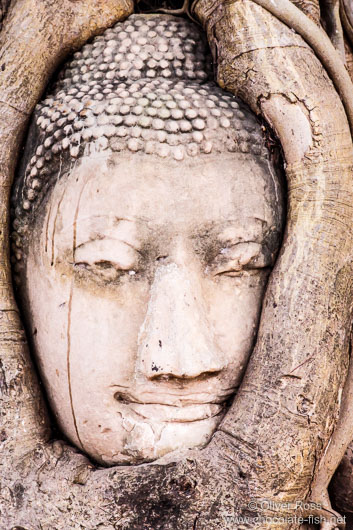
{"points": [[104, 254], [103, 269], [246, 258], [243, 272]]}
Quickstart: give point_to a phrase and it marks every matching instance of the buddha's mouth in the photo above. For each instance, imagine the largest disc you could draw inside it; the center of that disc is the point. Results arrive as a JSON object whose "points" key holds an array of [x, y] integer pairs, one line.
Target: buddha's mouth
{"points": [[179, 409], [168, 413]]}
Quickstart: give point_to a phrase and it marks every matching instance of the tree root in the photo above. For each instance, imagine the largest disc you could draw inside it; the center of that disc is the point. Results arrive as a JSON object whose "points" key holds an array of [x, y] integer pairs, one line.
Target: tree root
{"points": [[331, 16], [184, 10], [342, 436], [293, 17], [329, 515]]}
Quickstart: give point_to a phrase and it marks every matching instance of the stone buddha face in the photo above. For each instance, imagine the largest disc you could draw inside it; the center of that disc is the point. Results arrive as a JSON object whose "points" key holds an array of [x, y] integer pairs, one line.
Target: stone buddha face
{"points": [[141, 279]]}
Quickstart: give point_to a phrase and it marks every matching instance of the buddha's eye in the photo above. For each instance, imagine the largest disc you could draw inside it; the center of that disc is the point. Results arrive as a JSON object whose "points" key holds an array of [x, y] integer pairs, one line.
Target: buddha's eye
{"points": [[103, 269], [241, 260], [244, 272], [107, 260]]}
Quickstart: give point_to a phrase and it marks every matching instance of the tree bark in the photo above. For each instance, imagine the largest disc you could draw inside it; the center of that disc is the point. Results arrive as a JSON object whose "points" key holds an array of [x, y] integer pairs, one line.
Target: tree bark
{"points": [[341, 486], [281, 420]]}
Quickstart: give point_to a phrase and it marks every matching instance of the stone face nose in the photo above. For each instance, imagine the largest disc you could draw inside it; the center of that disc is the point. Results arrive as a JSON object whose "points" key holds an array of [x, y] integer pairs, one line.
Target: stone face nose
{"points": [[176, 340]]}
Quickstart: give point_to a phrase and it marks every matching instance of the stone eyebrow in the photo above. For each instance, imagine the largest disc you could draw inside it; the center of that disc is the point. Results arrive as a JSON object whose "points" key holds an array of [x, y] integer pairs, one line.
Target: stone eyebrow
{"points": [[88, 233], [215, 230], [88, 218]]}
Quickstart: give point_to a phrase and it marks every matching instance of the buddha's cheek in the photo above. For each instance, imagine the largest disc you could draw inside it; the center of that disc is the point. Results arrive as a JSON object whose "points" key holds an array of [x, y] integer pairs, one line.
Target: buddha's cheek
{"points": [[103, 331], [234, 311], [84, 345], [47, 309]]}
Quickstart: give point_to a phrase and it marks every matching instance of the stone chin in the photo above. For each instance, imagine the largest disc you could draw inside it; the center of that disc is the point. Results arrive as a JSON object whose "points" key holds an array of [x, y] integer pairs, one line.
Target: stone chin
{"points": [[152, 430], [146, 441]]}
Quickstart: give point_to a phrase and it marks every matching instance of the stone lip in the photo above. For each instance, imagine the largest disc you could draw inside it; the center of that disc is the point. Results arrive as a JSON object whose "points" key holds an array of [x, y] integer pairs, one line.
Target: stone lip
{"points": [[168, 413], [173, 407]]}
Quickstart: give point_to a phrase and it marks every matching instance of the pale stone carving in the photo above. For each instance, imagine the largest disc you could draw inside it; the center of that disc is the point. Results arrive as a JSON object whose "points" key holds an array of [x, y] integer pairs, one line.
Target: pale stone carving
{"points": [[141, 255], [280, 440]]}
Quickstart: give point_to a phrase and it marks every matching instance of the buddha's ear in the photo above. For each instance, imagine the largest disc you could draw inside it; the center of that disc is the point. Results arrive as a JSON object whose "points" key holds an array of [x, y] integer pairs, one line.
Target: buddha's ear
{"points": [[289, 398], [36, 36]]}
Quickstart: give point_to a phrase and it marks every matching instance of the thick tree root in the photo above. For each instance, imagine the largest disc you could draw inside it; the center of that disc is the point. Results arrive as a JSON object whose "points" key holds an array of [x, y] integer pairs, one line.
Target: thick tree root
{"points": [[288, 13], [331, 16], [342, 436]]}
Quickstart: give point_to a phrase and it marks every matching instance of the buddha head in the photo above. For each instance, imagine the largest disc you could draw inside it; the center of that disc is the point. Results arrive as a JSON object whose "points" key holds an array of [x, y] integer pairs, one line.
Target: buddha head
{"points": [[147, 215]]}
